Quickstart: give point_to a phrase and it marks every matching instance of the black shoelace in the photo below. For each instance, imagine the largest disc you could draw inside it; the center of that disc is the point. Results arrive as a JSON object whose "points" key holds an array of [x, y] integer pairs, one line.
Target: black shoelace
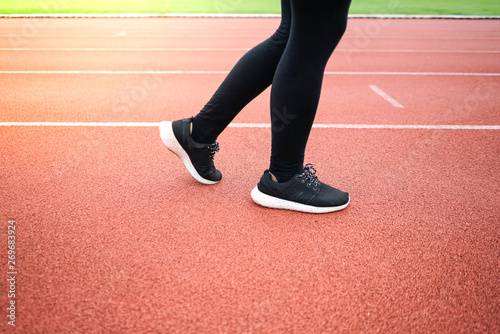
{"points": [[309, 174], [214, 148]]}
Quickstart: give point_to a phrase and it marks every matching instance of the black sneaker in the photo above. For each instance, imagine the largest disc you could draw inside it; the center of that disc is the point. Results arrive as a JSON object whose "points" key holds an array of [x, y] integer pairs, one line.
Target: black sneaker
{"points": [[304, 192], [198, 158]]}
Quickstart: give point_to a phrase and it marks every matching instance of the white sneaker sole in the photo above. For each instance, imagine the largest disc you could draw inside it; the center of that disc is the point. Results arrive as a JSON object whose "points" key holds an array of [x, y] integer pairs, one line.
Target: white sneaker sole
{"points": [[278, 203], [168, 138]]}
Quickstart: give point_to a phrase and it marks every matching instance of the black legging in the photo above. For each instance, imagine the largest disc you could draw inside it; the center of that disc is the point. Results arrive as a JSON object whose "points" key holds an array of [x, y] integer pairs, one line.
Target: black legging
{"points": [[293, 60]]}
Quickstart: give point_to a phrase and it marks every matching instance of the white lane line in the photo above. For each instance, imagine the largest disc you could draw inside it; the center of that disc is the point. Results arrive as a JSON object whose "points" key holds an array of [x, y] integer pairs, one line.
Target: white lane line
{"points": [[150, 15], [241, 36], [407, 127], [169, 36], [239, 49], [256, 125], [114, 72], [81, 124], [415, 51], [386, 96], [124, 49], [212, 15], [417, 73], [226, 72]]}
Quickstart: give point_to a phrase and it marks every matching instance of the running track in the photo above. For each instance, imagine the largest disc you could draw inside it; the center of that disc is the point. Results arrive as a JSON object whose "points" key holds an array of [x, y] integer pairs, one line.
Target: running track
{"points": [[113, 235]]}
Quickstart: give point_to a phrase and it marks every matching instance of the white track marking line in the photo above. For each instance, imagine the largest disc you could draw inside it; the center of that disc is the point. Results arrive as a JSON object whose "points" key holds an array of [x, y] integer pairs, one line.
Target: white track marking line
{"points": [[212, 15], [255, 125], [415, 51], [415, 73], [386, 96], [241, 36], [237, 49], [407, 127], [114, 72], [125, 49], [226, 72], [170, 36], [81, 124]]}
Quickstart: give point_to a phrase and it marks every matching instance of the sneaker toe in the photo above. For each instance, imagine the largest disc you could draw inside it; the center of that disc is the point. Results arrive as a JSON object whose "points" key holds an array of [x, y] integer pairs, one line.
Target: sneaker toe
{"points": [[331, 197], [209, 172]]}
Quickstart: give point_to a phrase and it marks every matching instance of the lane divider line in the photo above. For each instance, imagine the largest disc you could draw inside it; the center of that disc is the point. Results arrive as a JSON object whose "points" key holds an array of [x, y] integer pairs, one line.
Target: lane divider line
{"points": [[257, 125], [226, 72], [213, 15], [263, 36], [127, 49], [386, 96], [237, 49], [171, 36]]}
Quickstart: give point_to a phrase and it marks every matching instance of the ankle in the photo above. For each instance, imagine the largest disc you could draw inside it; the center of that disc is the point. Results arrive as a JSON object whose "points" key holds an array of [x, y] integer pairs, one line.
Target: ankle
{"points": [[273, 177], [281, 178], [197, 135]]}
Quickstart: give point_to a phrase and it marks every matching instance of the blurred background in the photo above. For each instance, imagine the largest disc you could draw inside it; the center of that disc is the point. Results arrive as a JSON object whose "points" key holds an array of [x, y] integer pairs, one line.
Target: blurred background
{"points": [[424, 7]]}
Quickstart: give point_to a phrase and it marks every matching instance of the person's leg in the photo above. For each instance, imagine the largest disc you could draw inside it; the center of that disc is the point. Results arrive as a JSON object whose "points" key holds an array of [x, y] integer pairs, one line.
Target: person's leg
{"points": [[249, 77], [193, 139], [317, 27]]}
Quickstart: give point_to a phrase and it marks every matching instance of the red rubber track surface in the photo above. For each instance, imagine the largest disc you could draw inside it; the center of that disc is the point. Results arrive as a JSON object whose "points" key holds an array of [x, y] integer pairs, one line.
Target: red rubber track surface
{"points": [[114, 236]]}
